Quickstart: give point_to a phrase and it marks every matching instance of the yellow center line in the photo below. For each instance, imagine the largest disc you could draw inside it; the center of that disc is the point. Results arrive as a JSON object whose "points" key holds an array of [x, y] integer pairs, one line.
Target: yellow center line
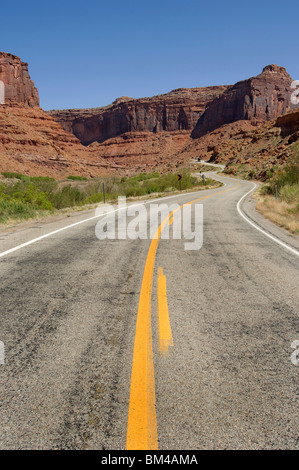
{"points": [[165, 335], [142, 431]]}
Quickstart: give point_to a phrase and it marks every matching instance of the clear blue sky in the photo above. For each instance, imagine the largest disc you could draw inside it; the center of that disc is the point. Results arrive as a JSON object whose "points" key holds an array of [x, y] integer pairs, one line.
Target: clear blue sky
{"points": [[88, 53]]}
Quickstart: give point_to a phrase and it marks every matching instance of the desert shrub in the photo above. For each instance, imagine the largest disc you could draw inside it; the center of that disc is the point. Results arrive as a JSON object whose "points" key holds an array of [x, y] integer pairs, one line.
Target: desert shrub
{"points": [[44, 184], [289, 175], [266, 189], [289, 193], [133, 190], [11, 174], [27, 193], [67, 196], [93, 199], [286, 180], [76, 178], [144, 176], [14, 209], [151, 186]]}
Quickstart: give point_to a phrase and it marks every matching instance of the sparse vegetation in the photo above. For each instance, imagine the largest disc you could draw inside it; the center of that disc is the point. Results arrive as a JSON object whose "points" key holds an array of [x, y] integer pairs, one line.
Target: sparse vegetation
{"points": [[285, 209], [77, 178], [285, 180], [23, 197]]}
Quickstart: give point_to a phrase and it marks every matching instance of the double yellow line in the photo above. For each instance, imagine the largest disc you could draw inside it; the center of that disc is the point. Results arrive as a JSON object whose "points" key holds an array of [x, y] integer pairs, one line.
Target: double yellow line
{"points": [[142, 431], [165, 335]]}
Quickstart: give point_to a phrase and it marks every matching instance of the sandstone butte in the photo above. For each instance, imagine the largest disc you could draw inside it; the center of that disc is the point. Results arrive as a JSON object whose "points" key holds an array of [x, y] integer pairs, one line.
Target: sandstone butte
{"points": [[257, 99], [133, 135]]}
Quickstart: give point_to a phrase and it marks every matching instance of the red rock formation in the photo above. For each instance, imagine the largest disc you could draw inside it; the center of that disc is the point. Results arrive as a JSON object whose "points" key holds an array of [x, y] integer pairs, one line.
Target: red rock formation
{"points": [[31, 142], [134, 135], [247, 149], [260, 98], [178, 110], [289, 124], [140, 152], [19, 88]]}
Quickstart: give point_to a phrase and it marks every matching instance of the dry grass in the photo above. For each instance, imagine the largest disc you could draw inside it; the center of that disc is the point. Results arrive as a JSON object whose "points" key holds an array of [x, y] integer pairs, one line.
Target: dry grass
{"points": [[279, 212]]}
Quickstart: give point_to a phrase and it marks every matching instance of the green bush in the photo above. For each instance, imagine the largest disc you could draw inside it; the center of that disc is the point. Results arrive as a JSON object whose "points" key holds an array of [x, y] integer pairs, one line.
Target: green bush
{"points": [[144, 176], [289, 175], [13, 209], [68, 196], [27, 193], [289, 193], [151, 187], [93, 199], [133, 190], [286, 181], [10, 174], [266, 189], [44, 184], [77, 178]]}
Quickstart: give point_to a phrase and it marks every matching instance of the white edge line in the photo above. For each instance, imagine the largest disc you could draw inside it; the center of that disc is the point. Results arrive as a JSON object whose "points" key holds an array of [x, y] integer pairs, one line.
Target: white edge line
{"points": [[277, 240], [34, 240]]}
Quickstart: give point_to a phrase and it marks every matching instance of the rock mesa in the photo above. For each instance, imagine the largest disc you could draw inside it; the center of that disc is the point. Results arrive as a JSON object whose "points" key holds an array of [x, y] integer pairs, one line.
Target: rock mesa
{"points": [[178, 110], [256, 99]]}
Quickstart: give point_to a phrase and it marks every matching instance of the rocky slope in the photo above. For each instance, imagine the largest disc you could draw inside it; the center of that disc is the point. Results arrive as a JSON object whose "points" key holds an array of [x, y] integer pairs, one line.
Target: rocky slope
{"points": [[257, 99], [249, 150], [266, 150], [31, 142], [142, 151]]}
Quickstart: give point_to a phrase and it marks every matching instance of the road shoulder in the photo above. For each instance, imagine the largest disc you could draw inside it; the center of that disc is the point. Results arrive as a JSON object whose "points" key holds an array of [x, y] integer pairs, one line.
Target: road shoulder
{"points": [[247, 207]]}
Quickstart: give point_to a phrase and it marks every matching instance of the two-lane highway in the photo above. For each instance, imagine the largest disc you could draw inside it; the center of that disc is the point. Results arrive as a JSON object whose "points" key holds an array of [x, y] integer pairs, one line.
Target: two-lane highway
{"points": [[72, 308]]}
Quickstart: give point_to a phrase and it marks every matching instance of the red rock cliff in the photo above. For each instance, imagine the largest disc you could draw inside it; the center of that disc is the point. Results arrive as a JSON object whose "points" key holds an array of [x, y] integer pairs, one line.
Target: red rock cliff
{"points": [[178, 110], [19, 88], [259, 98]]}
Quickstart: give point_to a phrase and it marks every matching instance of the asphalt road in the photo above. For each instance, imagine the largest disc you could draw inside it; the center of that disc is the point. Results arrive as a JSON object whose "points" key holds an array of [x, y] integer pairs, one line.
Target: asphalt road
{"points": [[68, 320]]}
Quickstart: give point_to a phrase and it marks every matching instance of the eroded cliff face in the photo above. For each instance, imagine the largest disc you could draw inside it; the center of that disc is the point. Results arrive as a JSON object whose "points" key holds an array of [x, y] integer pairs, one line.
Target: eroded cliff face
{"points": [[257, 99], [19, 88], [178, 110], [289, 124]]}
